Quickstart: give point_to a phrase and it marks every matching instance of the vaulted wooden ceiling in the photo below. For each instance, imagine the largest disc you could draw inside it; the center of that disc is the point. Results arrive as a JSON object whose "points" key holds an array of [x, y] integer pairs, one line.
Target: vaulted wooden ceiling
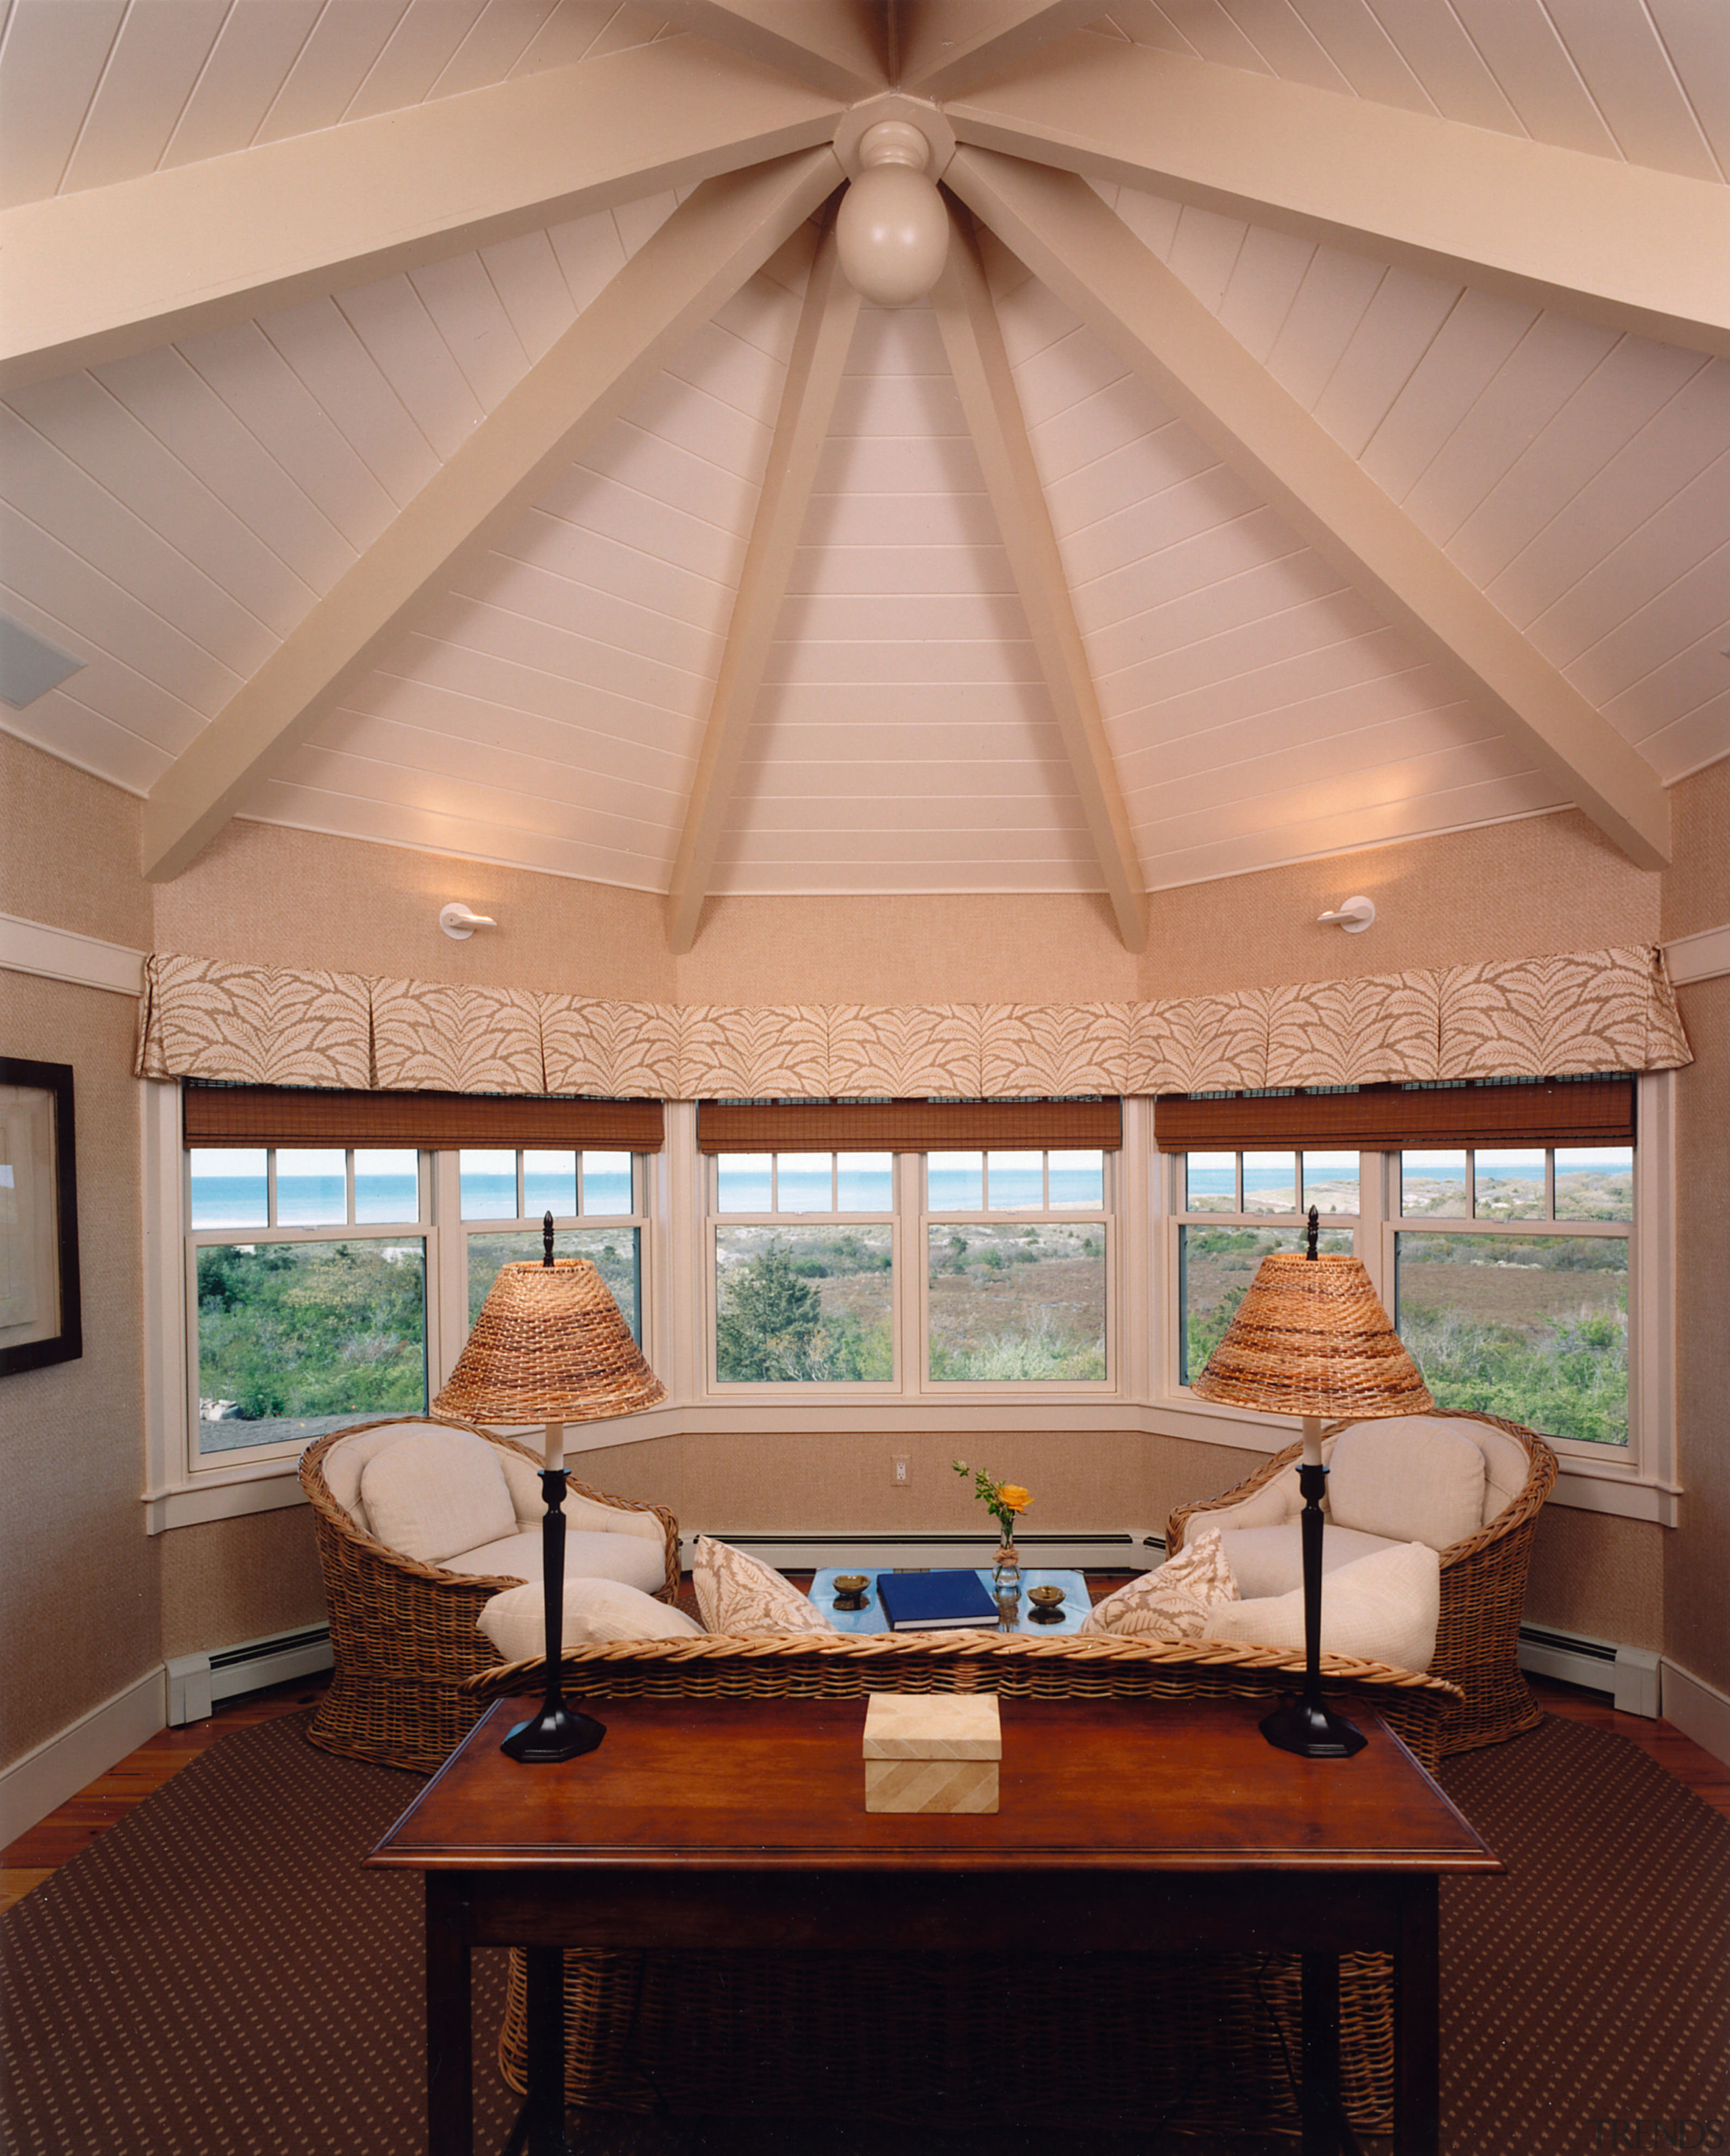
{"points": [[444, 422]]}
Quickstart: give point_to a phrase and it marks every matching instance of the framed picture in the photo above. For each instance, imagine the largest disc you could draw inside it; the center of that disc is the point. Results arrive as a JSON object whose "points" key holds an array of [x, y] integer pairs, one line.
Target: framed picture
{"points": [[39, 1315]]}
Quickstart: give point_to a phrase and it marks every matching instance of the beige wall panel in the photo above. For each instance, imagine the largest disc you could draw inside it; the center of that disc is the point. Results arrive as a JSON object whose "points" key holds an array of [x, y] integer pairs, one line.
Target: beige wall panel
{"points": [[1696, 1582], [78, 1578], [230, 1580], [1025, 947], [1600, 1576], [276, 897], [71, 856], [1696, 889], [1508, 890]]}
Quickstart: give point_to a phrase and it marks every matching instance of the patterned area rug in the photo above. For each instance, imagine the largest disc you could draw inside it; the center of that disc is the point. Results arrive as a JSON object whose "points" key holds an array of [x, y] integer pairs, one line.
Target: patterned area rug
{"points": [[216, 1976]]}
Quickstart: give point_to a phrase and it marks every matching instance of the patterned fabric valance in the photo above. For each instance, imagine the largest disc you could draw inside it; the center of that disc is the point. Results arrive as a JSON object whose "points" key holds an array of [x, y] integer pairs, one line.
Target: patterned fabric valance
{"points": [[1522, 1018]]}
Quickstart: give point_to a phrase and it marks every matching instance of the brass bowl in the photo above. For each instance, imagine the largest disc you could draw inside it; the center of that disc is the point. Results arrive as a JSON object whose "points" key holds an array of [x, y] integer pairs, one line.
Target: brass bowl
{"points": [[850, 1589], [1047, 1604]]}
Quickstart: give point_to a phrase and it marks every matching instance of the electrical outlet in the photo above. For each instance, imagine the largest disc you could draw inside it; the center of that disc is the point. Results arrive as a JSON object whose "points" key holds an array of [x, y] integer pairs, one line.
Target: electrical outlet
{"points": [[898, 1469]]}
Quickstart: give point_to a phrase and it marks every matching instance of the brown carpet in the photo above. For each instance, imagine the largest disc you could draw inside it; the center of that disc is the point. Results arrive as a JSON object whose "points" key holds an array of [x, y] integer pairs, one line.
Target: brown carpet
{"points": [[217, 1977]]}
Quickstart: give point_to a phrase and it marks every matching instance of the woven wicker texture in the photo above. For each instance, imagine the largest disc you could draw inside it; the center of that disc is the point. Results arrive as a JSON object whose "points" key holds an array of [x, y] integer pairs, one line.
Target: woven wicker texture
{"points": [[403, 1634], [1207, 2040], [1310, 1337], [550, 1345], [1483, 1595]]}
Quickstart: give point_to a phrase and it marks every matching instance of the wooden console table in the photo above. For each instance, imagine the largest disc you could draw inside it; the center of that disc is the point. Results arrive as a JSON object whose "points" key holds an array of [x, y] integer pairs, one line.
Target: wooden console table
{"points": [[1125, 1825]]}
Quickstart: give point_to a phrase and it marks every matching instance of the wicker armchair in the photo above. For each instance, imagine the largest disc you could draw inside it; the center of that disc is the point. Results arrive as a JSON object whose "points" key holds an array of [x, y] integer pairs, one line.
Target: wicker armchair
{"points": [[403, 1633], [1483, 1578], [1064, 2046]]}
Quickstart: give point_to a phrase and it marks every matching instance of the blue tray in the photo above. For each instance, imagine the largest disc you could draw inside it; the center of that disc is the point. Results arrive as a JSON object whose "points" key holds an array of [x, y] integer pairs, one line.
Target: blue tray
{"points": [[1075, 1601]]}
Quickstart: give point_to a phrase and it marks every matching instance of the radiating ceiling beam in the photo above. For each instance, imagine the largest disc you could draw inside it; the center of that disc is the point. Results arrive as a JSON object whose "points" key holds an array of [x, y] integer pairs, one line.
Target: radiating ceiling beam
{"points": [[704, 252], [807, 402], [946, 47], [107, 271], [839, 49], [974, 342], [1067, 236], [1620, 244]]}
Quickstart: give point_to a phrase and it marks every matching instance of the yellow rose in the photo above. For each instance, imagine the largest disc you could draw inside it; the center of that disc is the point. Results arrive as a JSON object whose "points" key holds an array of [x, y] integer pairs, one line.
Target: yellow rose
{"points": [[1013, 1497]]}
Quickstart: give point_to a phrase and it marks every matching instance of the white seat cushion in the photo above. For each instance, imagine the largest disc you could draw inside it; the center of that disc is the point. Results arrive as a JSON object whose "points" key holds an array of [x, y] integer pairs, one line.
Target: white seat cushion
{"points": [[597, 1612], [1172, 1602], [1269, 1560], [1378, 1609], [435, 1492], [631, 1559], [737, 1593], [1421, 1482]]}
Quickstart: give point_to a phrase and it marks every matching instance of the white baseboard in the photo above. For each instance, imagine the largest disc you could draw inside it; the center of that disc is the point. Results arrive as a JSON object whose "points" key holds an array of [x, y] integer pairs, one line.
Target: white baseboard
{"points": [[32, 1787], [1698, 1709], [1629, 1674], [196, 1681]]}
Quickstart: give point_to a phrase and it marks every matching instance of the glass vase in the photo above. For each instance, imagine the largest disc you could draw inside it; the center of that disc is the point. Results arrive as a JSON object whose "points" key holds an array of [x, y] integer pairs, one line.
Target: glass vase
{"points": [[1006, 1576]]}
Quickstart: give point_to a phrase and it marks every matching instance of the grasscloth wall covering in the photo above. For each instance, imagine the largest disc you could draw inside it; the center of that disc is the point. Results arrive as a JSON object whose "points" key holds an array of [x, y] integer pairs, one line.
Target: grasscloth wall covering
{"points": [[1544, 1016], [80, 1611]]}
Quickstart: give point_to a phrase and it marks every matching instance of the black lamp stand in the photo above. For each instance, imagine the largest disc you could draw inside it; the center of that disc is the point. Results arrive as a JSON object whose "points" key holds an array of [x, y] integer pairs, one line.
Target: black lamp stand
{"points": [[1307, 1725], [555, 1733]]}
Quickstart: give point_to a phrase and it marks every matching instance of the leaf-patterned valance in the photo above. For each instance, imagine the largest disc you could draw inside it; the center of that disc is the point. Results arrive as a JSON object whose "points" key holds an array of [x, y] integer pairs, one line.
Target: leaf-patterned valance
{"points": [[1522, 1018]]}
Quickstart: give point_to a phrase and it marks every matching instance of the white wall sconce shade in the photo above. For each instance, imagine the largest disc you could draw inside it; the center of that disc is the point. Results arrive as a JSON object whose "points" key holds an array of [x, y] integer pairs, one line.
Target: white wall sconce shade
{"points": [[460, 924], [1354, 916]]}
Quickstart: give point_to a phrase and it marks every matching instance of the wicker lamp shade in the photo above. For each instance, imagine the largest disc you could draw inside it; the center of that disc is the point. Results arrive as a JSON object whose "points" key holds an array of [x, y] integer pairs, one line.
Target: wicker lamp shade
{"points": [[1310, 1337], [550, 1346]]}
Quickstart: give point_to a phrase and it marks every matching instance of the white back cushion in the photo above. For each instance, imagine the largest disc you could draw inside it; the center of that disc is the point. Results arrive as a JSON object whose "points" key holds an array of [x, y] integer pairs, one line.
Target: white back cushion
{"points": [[596, 1613], [1382, 1608], [436, 1491], [1409, 1478], [1269, 1560], [348, 1456]]}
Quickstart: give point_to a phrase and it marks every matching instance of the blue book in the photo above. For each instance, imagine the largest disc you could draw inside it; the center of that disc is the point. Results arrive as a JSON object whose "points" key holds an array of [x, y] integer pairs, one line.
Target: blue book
{"points": [[934, 1601]]}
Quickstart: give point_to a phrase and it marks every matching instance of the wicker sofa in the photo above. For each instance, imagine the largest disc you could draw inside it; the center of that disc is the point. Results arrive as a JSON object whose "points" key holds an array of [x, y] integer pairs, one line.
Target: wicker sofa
{"points": [[1483, 1574], [403, 1634], [1201, 2042]]}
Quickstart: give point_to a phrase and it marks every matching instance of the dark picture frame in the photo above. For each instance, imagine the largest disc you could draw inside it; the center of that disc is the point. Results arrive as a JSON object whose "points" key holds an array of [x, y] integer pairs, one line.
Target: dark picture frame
{"points": [[41, 1318]]}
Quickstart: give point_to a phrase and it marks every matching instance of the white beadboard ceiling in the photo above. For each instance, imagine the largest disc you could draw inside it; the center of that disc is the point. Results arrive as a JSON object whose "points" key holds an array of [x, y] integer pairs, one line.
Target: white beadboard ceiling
{"points": [[172, 514]]}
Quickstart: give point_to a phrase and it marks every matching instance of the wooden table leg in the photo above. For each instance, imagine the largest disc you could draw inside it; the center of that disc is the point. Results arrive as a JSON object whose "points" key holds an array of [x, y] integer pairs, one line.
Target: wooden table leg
{"points": [[1417, 2020], [451, 2093], [545, 2114], [1318, 2095]]}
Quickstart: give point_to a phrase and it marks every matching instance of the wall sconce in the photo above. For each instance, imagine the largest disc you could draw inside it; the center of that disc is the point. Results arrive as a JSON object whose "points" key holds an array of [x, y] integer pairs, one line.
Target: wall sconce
{"points": [[1354, 916], [460, 924]]}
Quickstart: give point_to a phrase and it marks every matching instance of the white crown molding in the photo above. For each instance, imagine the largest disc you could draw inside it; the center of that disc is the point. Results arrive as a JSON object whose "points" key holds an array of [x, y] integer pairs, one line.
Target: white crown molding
{"points": [[61, 954], [1705, 957]]}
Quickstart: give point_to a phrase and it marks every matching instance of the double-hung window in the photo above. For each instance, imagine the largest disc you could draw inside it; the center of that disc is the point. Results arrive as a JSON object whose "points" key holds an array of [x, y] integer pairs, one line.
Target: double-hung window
{"points": [[330, 1284], [1496, 1221], [887, 1260]]}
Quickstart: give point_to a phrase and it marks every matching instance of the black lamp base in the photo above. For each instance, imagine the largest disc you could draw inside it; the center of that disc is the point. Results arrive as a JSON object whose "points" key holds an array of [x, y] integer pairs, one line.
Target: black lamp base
{"points": [[1308, 1728], [557, 1734]]}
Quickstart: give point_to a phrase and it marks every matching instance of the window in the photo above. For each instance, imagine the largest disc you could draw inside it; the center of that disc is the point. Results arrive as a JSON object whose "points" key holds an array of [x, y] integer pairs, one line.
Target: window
{"points": [[911, 1270], [307, 1284], [316, 1275], [1506, 1269]]}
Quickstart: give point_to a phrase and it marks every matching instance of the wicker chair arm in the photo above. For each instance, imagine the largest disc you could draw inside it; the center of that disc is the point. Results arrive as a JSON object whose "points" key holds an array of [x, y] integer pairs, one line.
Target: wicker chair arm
{"points": [[1240, 1493]]}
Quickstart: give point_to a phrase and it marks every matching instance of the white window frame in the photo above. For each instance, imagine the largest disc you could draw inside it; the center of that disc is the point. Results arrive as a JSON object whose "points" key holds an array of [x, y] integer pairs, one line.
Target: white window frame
{"points": [[910, 1220], [1637, 1480]]}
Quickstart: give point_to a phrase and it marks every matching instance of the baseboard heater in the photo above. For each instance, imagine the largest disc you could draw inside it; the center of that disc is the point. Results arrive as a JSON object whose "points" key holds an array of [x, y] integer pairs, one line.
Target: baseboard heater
{"points": [[1629, 1674], [1122, 1549], [196, 1681]]}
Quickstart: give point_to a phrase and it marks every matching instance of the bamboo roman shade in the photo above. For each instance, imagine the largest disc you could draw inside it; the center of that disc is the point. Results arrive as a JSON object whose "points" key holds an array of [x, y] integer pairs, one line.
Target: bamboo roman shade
{"points": [[1480, 1113], [1523, 1018], [290, 1116], [906, 1125]]}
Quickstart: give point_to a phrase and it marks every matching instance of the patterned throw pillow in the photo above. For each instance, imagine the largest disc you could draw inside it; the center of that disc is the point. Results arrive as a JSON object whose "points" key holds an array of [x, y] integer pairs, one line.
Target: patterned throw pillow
{"points": [[739, 1593], [1171, 1603]]}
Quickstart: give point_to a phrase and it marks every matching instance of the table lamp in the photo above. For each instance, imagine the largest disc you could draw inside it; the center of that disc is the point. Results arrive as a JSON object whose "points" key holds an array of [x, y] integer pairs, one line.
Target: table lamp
{"points": [[1311, 1338], [550, 1346]]}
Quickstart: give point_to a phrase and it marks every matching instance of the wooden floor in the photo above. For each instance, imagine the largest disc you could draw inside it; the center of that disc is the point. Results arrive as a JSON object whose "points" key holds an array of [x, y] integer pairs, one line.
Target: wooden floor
{"points": [[36, 1855]]}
